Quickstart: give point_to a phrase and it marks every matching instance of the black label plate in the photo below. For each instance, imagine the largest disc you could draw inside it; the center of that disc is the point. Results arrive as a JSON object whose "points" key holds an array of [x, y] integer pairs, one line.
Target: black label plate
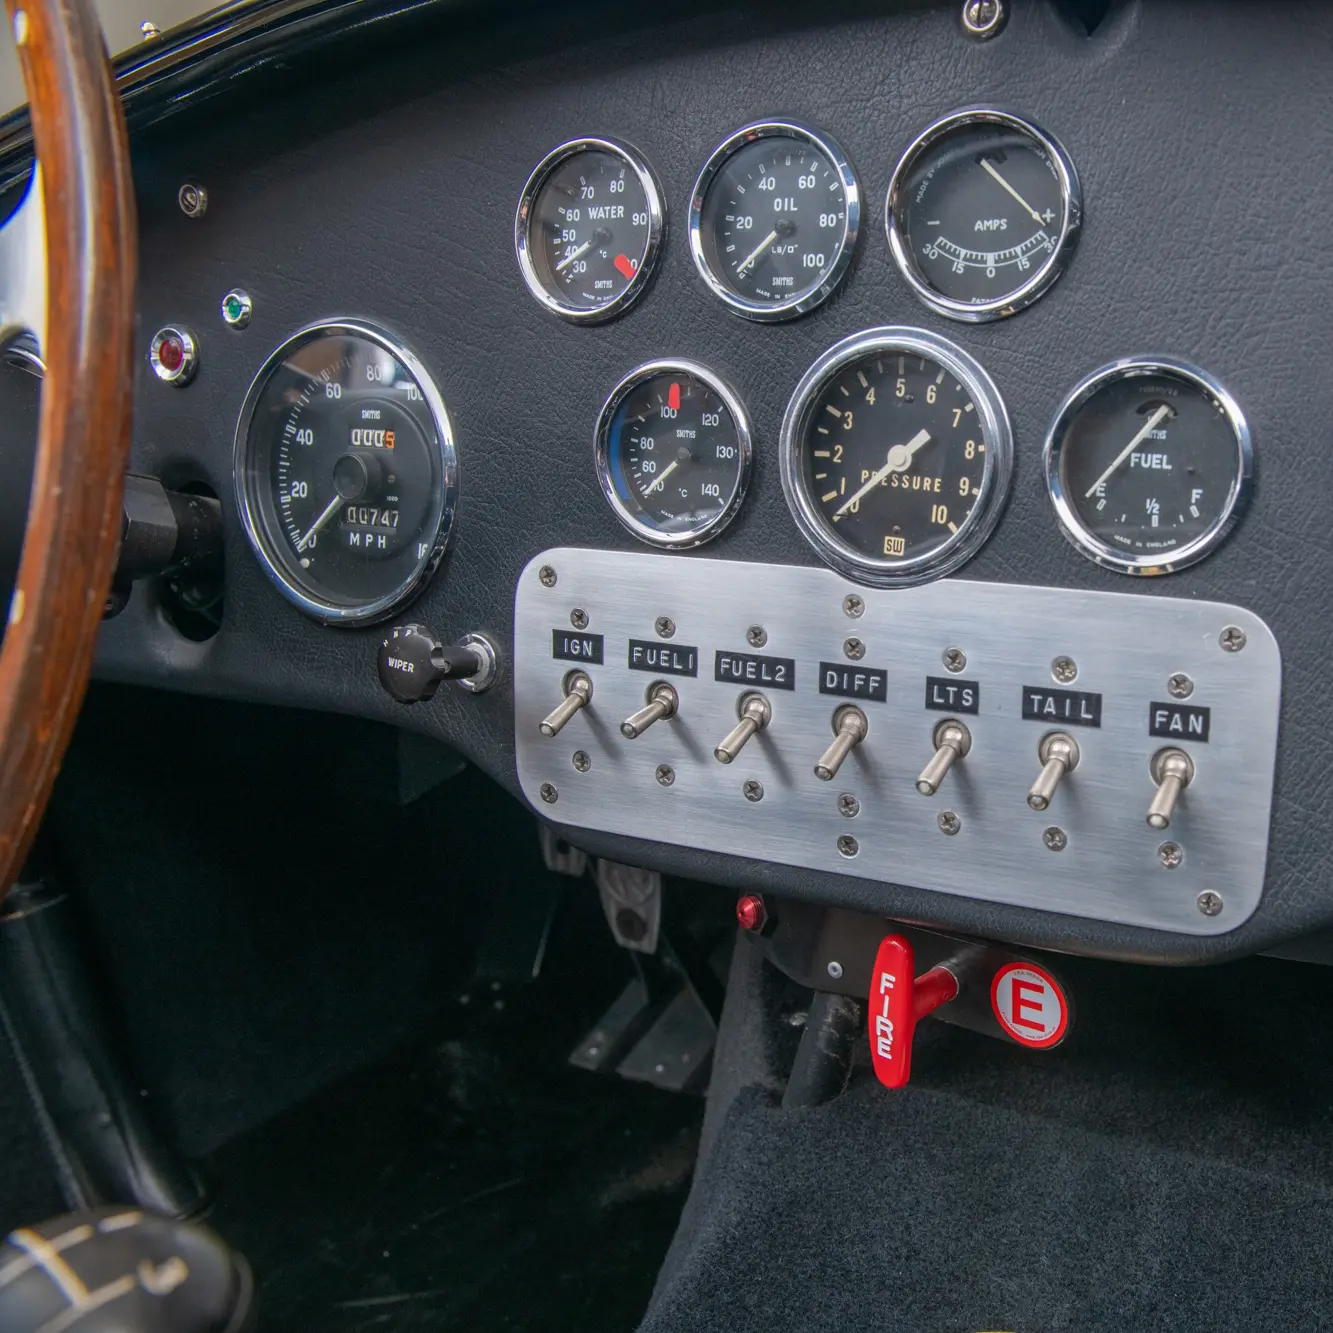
{"points": [[663, 659], [1065, 708], [774, 673], [853, 682], [1179, 722], [948, 694], [569, 645]]}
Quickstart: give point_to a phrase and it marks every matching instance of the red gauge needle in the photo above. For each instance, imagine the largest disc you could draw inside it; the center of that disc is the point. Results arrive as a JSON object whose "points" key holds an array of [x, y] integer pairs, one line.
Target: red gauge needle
{"points": [[625, 264]]}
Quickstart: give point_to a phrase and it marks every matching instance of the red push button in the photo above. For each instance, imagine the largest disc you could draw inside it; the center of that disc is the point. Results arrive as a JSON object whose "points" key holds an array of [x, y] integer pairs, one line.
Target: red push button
{"points": [[898, 999]]}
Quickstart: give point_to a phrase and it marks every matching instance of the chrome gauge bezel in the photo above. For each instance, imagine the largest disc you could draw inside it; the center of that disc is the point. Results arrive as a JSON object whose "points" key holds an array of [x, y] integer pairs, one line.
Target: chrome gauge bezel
{"points": [[1071, 195], [882, 572], [652, 192], [798, 304], [1072, 525], [251, 509], [703, 532]]}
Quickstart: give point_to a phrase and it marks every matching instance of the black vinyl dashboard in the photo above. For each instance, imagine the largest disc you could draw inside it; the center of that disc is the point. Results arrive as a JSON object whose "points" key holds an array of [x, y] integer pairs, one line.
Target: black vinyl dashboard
{"points": [[373, 179]]}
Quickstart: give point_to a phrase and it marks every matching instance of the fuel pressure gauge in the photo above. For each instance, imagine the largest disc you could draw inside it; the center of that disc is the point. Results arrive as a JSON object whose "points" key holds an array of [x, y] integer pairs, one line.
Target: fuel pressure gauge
{"points": [[1148, 464]]}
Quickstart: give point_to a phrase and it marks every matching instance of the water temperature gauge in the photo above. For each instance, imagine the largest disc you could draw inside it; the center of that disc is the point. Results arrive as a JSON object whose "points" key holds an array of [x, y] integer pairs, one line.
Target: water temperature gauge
{"points": [[673, 453]]}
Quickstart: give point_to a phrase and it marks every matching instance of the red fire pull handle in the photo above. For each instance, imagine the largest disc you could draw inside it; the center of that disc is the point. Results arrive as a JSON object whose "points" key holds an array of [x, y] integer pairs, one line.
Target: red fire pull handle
{"points": [[898, 998]]}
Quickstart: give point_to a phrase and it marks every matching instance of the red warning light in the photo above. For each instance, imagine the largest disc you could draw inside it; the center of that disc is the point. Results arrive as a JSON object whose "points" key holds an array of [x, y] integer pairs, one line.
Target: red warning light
{"points": [[625, 265], [673, 397], [751, 914], [171, 353]]}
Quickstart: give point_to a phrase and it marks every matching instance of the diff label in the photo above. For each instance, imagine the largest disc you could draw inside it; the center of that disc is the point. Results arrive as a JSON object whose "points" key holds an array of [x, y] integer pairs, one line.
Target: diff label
{"points": [[663, 659], [1179, 722], [948, 694], [572, 646], [778, 673], [850, 682], [1071, 708]]}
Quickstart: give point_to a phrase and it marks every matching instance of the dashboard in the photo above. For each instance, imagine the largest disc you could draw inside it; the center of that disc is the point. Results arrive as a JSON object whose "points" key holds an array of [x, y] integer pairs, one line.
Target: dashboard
{"points": [[848, 456]]}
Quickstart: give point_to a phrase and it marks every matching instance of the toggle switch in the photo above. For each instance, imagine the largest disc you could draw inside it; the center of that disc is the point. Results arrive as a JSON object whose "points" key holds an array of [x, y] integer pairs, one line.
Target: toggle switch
{"points": [[952, 740], [662, 703], [1172, 770], [849, 730], [578, 694], [755, 714], [1059, 754], [898, 1000]]}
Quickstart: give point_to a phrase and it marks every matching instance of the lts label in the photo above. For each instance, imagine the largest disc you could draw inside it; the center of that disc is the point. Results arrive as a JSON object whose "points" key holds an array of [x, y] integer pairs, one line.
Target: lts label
{"points": [[948, 694]]}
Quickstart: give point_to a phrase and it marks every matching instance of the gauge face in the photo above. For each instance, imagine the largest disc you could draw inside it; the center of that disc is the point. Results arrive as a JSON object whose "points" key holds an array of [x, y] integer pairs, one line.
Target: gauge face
{"points": [[983, 214], [345, 472], [1148, 464], [896, 453], [588, 228], [773, 220], [673, 453]]}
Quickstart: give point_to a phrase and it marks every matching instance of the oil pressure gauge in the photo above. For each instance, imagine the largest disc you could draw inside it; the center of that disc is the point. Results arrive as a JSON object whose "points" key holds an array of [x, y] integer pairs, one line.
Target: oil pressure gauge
{"points": [[1148, 464]]}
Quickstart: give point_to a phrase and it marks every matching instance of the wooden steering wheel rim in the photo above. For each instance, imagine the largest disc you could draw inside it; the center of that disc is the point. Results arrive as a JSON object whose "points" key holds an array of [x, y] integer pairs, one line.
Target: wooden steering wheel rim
{"points": [[74, 515]]}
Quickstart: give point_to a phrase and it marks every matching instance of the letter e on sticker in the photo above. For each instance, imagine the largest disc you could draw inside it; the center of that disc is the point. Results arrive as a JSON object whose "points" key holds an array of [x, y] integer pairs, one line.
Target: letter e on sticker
{"points": [[1029, 1005]]}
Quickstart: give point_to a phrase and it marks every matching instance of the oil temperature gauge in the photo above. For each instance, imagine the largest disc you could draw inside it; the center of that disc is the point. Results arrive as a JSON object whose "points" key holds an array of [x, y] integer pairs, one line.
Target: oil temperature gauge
{"points": [[673, 453]]}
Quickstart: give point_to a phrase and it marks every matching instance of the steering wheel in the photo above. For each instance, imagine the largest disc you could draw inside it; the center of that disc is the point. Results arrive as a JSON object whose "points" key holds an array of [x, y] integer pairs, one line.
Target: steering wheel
{"points": [[67, 272]]}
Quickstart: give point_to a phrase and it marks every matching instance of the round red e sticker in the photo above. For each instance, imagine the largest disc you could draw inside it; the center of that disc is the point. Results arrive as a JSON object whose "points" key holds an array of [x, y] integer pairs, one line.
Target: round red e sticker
{"points": [[1029, 1005]]}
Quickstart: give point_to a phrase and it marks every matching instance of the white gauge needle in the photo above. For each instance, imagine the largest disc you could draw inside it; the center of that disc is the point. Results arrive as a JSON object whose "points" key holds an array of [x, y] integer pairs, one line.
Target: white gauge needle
{"points": [[1147, 430], [900, 459], [1036, 217], [756, 252], [663, 477], [569, 259], [330, 509]]}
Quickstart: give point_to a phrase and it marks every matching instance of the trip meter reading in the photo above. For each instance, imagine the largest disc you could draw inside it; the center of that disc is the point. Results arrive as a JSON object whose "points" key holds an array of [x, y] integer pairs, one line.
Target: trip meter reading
{"points": [[673, 453], [1148, 464], [589, 228], [773, 220], [983, 214], [345, 472], [896, 453]]}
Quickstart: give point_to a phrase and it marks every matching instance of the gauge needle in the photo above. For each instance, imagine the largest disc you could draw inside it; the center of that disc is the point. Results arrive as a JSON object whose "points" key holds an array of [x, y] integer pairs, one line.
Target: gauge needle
{"points": [[569, 259], [663, 477], [1149, 427], [756, 252], [900, 459], [1036, 217], [330, 509]]}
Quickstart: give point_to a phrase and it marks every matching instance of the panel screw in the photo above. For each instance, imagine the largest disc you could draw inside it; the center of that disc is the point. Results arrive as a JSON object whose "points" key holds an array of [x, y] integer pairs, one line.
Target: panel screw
{"points": [[237, 308], [1210, 904], [756, 636], [835, 969], [1055, 838], [193, 200], [954, 659], [547, 576], [148, 30], [581, 761], [1064, 669], [854, 649], [1170, 855], [848, 805], [753, 789], [949, 823], [1179, 685], [549, 793], [852, 605], [1232, 639], [848, 845], [983, 19], [666, 775], [578, 617], [664, 626]]}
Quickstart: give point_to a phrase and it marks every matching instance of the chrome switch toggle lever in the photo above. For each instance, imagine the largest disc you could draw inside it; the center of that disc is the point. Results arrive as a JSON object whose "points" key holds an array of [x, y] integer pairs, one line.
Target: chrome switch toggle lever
{"points": [[578, 694], [1172, 770], [952, 740], [1059, 754], [755, 715], [849, 727], [662, 703]]}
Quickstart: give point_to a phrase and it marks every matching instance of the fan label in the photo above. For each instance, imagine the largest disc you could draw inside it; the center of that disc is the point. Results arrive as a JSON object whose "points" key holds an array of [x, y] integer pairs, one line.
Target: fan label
{"points": [[571, 646], [1179, 722], [853, 682], [663, 659], [948, 694], [778, 673], [1073, 708]]}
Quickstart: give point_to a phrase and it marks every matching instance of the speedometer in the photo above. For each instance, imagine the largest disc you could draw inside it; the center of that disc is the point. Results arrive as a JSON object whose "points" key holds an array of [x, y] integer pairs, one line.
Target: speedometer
{"points": [[345, 472], [773, 220]]}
